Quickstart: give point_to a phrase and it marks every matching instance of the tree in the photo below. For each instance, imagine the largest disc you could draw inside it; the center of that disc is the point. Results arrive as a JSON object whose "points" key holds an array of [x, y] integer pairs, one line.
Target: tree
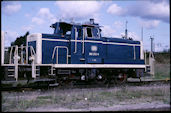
{"points": [[20, 40]]}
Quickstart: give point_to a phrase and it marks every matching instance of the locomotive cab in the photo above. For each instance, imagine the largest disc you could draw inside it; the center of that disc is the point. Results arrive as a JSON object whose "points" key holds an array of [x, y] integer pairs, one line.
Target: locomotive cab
{"points": [[61, 28], [88, 51], [92, 30]]}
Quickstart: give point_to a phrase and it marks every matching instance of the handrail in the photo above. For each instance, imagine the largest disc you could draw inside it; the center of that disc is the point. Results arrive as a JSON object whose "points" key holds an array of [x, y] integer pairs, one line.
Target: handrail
{"points": [[56, 48], [22, 49], [145, 58], [10, 54], [75, 51], [32, 51], [26, 54], [83, 41], [16, 50], [134, 52], [21, 54], [53, 52]]}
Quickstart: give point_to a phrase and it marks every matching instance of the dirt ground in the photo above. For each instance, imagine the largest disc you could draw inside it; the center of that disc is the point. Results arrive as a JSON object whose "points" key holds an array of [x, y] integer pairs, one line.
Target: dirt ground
{"points": [[154, 106], [153, 97]]}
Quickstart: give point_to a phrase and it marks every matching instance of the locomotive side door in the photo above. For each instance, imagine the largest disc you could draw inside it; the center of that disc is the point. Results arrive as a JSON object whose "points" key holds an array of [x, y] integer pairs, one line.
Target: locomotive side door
{"points": [[62, 53]]}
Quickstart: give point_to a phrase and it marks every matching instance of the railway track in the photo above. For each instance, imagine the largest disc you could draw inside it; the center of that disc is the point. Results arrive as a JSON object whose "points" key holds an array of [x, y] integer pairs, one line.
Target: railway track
{"points": [[44, 85]]}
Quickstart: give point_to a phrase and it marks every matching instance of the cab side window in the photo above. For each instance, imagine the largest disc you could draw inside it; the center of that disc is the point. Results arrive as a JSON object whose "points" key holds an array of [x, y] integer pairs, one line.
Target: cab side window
{"points": [[79, 32], [95, 32], [89, 32]]}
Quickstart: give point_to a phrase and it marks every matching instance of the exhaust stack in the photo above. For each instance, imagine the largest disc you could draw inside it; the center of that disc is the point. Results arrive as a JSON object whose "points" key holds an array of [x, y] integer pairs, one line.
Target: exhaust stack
{"points": [[91, 21]]}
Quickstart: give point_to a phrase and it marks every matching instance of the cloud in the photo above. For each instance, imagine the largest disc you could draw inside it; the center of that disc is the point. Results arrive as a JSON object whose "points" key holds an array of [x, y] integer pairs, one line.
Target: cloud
{"points": [[37, 20], [108, 31], [97, 18], [27, 28], [143, 9], [151, 10], [45, 13], [10, 36], [115, 9], [78, 9], [44, 16], [27, 15], [149, 24], [159, 1], [8, 8], [132, 35], [118, 24]]}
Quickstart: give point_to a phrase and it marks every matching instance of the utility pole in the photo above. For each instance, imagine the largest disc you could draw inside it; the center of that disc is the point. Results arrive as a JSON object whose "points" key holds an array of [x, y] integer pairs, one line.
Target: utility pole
{"points": [[152, 38], [151, 57], [142, 33], [126, 31]]}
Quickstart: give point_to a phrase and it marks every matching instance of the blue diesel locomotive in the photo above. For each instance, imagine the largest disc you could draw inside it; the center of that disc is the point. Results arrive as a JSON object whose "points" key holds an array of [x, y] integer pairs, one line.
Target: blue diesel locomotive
{"points": [[79, 52]]}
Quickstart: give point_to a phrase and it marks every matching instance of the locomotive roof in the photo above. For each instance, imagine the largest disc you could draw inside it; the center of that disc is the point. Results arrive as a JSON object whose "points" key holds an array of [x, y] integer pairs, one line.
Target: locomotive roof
{"points": [[79, 24], [92, 24]]}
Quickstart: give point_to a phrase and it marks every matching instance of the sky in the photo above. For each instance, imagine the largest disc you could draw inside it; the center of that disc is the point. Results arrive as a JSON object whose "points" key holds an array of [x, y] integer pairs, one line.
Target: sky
{"points": [[18, 17]]}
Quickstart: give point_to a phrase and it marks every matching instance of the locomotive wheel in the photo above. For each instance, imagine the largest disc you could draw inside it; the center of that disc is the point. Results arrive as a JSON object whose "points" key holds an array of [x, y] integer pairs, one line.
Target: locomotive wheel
{"points": [[121, 78], [100, 80]]}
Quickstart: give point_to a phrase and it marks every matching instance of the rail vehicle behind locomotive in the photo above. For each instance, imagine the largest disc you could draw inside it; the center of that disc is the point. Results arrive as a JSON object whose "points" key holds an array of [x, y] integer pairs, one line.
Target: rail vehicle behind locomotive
{"points": [[79, 52]]}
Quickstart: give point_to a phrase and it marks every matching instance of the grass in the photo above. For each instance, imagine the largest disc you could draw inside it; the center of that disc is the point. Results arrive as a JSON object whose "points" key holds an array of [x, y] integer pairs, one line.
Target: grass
{"points": [[76, 100], [162, 65], [162, 71], [44, 97]]}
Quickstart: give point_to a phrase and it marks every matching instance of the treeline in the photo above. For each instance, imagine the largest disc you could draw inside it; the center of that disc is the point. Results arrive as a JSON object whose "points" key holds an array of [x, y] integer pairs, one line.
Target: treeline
{"points": [[20, 40], [163, 56]]}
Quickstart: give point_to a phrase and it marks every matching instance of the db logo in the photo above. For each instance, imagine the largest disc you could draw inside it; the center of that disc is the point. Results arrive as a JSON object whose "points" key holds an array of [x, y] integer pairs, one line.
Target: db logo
{"points": [[93, 48]]}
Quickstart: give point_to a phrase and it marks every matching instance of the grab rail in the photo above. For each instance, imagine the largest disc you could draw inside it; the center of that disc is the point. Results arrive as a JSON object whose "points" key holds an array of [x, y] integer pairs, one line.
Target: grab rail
{"points": [[56, 48], [83, 40], [16, 52], [75, 51]]}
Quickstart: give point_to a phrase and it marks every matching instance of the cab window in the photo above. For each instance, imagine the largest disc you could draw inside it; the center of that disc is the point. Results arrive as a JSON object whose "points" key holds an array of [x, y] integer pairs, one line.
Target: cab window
{"points": [[95, 32], [64, 29], [89, 33], [92, 32], [79, 32]]}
